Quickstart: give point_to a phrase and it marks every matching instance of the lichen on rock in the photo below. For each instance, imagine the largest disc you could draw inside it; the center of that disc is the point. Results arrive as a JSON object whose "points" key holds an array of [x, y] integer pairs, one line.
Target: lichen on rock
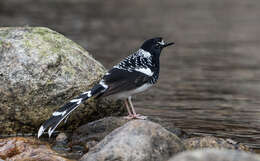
{"points": [[40, 70]]}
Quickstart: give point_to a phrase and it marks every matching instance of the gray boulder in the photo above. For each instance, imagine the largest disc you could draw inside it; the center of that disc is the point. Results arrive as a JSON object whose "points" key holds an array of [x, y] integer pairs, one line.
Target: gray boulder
{"points": [[137, 140], [215, 155], [40, 70]]}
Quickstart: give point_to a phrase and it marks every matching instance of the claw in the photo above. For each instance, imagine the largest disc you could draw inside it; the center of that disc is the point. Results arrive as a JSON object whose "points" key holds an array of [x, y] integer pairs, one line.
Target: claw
{"points": [[141, 117], [137, 116], [129, 117]]}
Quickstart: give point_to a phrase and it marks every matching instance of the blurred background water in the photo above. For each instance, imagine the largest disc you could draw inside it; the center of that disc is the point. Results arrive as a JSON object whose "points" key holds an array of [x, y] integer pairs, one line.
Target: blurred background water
{"points": [[209, 81]]}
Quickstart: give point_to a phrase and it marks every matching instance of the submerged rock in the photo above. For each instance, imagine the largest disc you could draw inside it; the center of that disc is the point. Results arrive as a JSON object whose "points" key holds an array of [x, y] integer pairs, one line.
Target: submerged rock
{"points": [[215, 155], [137, 140], [213, 142], [40, 70], [27, 149]]}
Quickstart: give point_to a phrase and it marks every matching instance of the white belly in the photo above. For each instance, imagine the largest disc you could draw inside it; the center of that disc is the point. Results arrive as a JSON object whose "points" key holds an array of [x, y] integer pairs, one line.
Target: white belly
{"points": [[132, 92]]}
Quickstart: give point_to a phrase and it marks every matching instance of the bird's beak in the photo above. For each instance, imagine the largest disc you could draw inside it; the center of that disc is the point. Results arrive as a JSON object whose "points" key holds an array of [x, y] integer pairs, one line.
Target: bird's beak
{"points": [[167, 44]]}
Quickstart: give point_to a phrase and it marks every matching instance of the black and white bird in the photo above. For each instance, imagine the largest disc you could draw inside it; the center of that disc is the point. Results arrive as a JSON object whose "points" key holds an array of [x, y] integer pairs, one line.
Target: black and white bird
{"points": [[133, 75]]}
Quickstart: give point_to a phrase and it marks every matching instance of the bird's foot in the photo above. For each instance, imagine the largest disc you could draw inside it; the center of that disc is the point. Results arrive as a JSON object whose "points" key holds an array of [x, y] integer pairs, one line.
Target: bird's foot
{"points": [[129, 117], [136, 116]]}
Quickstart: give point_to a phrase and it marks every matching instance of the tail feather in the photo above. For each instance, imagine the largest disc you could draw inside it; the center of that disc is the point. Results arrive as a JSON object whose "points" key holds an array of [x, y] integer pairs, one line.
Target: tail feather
{"points": [[66, 109], [56, 118]]}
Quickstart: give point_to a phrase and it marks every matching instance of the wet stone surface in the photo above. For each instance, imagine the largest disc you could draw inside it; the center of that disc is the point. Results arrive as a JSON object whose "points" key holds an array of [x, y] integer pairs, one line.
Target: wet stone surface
{"points": [[118, 138], [18, 148]]}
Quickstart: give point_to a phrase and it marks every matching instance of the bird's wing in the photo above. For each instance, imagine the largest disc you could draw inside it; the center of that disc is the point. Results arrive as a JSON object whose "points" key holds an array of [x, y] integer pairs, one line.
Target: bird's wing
{"points": [[119, 80]]}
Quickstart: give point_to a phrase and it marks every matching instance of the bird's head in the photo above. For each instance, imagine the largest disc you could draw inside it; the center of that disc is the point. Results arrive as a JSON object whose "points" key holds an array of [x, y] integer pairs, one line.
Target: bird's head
{"points": [[155, 45]]}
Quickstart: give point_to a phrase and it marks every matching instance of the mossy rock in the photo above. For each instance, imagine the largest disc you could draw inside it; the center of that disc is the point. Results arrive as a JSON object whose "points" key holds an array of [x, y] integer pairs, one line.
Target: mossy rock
{"points": [[40, 70]]}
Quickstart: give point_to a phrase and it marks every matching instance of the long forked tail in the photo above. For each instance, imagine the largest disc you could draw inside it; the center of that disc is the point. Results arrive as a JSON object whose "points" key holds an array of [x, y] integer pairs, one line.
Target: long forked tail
{"points": [[66, 109]]}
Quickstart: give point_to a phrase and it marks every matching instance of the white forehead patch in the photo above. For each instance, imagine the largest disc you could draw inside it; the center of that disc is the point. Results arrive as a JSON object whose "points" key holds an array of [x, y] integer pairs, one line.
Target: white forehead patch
{"points": [[162, 42]]}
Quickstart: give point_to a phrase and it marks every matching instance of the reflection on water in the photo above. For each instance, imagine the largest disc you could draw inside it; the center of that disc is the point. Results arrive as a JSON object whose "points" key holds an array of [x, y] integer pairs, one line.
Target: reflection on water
{"points": [[209, 82]]}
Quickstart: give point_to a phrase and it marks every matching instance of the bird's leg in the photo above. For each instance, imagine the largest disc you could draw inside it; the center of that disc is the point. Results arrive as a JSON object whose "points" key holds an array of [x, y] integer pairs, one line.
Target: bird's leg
{"points": [[131, 105], [137, 116], [130, 115]]}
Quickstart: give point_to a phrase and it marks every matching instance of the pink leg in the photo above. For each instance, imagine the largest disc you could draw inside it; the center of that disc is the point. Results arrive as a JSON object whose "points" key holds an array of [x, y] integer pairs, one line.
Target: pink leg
{"points": [[130, 115], [135, 116]]}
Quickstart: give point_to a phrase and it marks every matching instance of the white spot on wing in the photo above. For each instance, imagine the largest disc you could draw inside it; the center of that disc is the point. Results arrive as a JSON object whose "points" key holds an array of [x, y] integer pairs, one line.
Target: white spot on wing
{"points": [[117, 66], [146, 71], [56, 113]]}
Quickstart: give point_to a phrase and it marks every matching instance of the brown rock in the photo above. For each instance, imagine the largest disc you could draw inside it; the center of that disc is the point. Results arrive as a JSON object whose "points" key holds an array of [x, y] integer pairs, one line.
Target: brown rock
{"points": [[27, 149], [215, 155], [213, 142], [137, 140]]}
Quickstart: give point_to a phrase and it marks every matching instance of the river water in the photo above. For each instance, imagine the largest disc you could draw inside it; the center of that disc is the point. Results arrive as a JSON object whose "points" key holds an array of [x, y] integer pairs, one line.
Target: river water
{"points": [[209, 81]]}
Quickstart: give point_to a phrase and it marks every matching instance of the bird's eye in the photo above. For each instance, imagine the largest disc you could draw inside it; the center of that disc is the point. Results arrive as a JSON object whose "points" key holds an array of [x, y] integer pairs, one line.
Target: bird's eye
{"points": [[157, 45]]}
